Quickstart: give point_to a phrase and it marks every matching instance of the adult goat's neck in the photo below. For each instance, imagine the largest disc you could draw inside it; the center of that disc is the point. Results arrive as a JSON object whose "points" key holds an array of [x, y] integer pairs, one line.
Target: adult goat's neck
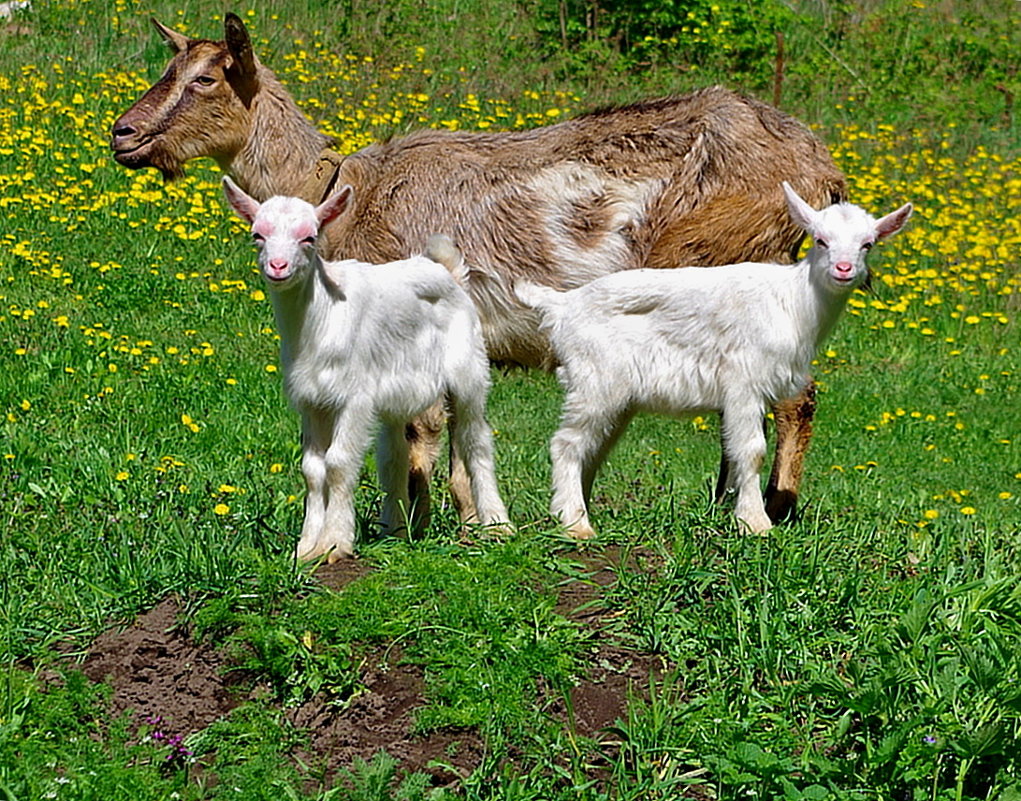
{"points": [[281, 148]]}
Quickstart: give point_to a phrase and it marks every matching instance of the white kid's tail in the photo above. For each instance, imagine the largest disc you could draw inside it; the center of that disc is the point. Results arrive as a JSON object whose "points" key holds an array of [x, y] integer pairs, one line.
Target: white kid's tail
{"points": [[543, 299], [443, 251]]}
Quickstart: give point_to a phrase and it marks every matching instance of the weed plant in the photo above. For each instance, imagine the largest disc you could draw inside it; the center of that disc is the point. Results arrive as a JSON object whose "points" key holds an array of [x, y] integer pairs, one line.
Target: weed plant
{"points": [[867, 650]]}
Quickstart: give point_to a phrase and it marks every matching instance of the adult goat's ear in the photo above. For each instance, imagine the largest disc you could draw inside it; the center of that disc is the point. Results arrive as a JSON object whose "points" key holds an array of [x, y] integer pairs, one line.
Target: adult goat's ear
{"points": [[893, 222], [242, 72], [244, 204], [802, 214], [177, 41], [335, 205]]}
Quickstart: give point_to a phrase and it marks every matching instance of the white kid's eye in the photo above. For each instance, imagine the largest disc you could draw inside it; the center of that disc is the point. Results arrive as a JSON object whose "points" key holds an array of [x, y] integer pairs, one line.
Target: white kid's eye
{"points": [[822, 243], [258, 238], [867, 246], [308, 240]]}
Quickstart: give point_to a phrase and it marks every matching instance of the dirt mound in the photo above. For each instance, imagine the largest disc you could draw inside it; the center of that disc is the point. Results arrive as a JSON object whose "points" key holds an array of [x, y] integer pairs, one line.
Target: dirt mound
{"points": [[382, 718], [156, 668]]}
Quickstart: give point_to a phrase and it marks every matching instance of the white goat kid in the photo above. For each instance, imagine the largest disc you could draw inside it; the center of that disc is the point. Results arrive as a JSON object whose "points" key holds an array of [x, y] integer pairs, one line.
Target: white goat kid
{"points": [[731, 339], [361, 343]]}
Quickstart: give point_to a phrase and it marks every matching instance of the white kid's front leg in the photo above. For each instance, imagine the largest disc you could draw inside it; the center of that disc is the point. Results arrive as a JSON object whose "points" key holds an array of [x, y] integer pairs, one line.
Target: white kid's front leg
{"points": [[351, 431], [315, 439], [744, 446]]}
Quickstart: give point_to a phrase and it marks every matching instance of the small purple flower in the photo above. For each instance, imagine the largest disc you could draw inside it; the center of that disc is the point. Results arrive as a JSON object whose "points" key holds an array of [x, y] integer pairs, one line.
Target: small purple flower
{"points": [[175, 742], [929, 739]]}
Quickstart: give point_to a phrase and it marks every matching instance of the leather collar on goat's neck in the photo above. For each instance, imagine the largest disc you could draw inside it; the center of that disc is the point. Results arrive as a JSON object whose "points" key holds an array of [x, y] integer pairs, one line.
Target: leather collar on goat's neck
{"points": [[323, 180]]}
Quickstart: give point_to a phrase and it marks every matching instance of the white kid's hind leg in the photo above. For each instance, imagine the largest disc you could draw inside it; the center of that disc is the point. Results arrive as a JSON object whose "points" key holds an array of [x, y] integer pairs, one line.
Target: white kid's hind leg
{"points": [[577, 450]]}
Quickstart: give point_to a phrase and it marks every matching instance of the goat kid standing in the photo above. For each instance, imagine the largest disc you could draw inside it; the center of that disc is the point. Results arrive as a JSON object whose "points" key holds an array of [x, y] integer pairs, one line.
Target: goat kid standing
{"points": [[731, 339], [361, 343]]}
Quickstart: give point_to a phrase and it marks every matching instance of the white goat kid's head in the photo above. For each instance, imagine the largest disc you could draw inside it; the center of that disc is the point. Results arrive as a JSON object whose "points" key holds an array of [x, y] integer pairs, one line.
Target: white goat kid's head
{"points": [[285, 230], [842, 236]]}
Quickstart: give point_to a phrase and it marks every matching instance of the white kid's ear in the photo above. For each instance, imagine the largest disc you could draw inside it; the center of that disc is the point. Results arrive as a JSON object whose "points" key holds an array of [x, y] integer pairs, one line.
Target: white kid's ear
{"points": [[802, 214], [245, 205], [893, 222], [331, 208]]}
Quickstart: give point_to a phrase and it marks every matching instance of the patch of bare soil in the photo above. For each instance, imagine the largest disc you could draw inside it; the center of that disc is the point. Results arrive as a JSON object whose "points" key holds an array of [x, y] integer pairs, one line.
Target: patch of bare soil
{"points": [[156, 668], [614, 673], [382, 718]]}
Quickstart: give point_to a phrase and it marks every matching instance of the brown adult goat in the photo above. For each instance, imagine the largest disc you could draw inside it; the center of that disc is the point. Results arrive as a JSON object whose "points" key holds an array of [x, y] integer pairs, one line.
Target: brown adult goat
{"points": [[678, 181]]}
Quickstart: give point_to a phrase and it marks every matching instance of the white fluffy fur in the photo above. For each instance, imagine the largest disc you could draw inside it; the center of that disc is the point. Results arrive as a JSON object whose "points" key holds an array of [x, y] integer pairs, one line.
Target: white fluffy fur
{"points": [[731, 339], [366, 343]]}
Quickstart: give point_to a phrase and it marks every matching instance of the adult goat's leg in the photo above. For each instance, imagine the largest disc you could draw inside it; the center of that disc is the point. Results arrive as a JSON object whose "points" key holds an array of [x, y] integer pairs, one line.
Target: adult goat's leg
{"points": [[472, 441], [461, 485], [392, 466], [423, 435], [793, 432]]}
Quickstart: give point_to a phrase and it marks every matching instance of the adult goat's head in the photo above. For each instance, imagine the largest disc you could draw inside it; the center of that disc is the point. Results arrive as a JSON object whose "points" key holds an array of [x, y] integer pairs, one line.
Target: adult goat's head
{"points": [[200, 107]]}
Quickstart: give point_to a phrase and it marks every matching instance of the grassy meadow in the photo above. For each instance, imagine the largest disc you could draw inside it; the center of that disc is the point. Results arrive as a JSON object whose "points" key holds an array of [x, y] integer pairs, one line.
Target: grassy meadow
{"points": [[871, 649]]}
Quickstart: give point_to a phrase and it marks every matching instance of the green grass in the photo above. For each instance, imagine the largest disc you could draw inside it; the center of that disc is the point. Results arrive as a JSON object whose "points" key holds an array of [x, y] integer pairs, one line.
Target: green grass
{"points": [[869, 649]]}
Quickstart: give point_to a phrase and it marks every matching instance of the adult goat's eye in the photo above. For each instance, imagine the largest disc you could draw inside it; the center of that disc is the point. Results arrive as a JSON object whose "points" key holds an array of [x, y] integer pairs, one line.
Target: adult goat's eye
{"points": [[205, 80]]}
